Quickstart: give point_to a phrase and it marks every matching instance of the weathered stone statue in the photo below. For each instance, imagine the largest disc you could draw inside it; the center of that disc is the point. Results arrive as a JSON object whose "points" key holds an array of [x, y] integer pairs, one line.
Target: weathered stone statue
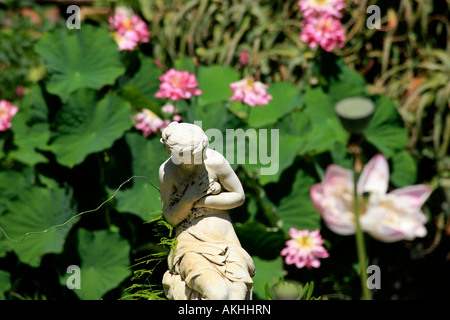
{"points": [[198, 186]]}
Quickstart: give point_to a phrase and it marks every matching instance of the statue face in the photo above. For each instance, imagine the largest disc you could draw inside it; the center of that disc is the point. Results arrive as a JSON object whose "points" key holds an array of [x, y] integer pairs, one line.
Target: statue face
{"points": [[180, 156]]}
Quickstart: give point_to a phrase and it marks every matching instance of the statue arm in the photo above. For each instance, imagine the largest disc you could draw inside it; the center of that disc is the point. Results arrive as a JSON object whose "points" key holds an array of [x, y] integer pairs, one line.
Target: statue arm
{"points": [[173, 213], [232, 197]]}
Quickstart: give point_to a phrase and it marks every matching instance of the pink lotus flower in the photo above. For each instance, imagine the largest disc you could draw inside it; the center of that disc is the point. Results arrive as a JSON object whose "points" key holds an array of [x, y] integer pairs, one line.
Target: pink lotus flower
{"points": [[334, 199], [128, 29], [387, 217], [304, 248], [250, 92], [178, 85], [126, 41], [325, 31], [7, 112], [392, 216], [149, 122], [315, 8], [141, 28]]}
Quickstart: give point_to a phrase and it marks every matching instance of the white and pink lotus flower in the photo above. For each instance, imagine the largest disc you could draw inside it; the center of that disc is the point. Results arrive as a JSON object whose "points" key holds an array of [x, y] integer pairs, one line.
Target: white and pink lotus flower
{"points": [[386, 216]]}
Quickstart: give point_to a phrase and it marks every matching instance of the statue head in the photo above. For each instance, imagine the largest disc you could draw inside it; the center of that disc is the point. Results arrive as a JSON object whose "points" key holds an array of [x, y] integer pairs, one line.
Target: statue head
{"points": [[185, 142]]}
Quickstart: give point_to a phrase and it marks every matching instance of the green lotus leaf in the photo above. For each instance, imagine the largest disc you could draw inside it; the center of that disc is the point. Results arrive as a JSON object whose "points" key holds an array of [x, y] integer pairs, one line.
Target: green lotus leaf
{"points": [[214, 81], [404, 169], [296, 209], [5, 283], [75, 59], [31, 129], [212, 116], [260, 240], [141, 88], [284, 98], [142, 199], [105, 258], [348, 83], [11, 185], [287, 137], [326, 127], [386, 130], [146, 79], [37, 209], [186, 64], [274, 153], [85, 125]]}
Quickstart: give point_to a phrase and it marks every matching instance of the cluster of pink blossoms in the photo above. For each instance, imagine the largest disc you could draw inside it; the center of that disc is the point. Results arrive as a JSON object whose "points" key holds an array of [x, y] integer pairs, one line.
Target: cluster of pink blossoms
{"points": [[321, 24], [128, 29], [7, 112], [149, 122], [176, 85]]}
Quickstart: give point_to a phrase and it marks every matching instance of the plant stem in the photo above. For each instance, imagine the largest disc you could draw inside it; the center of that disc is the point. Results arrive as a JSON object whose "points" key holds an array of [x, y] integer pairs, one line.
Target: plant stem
{"points": [[361, 250], [360, 245]]}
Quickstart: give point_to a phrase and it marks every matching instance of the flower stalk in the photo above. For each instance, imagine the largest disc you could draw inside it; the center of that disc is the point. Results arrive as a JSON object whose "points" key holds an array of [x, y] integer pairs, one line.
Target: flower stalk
{"points": [[359, 234]]}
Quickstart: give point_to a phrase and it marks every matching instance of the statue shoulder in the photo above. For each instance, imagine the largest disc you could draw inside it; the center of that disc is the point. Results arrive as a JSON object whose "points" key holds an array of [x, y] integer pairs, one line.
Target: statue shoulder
{"points": [[216, 161], [166, 170], [215, 158]]}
